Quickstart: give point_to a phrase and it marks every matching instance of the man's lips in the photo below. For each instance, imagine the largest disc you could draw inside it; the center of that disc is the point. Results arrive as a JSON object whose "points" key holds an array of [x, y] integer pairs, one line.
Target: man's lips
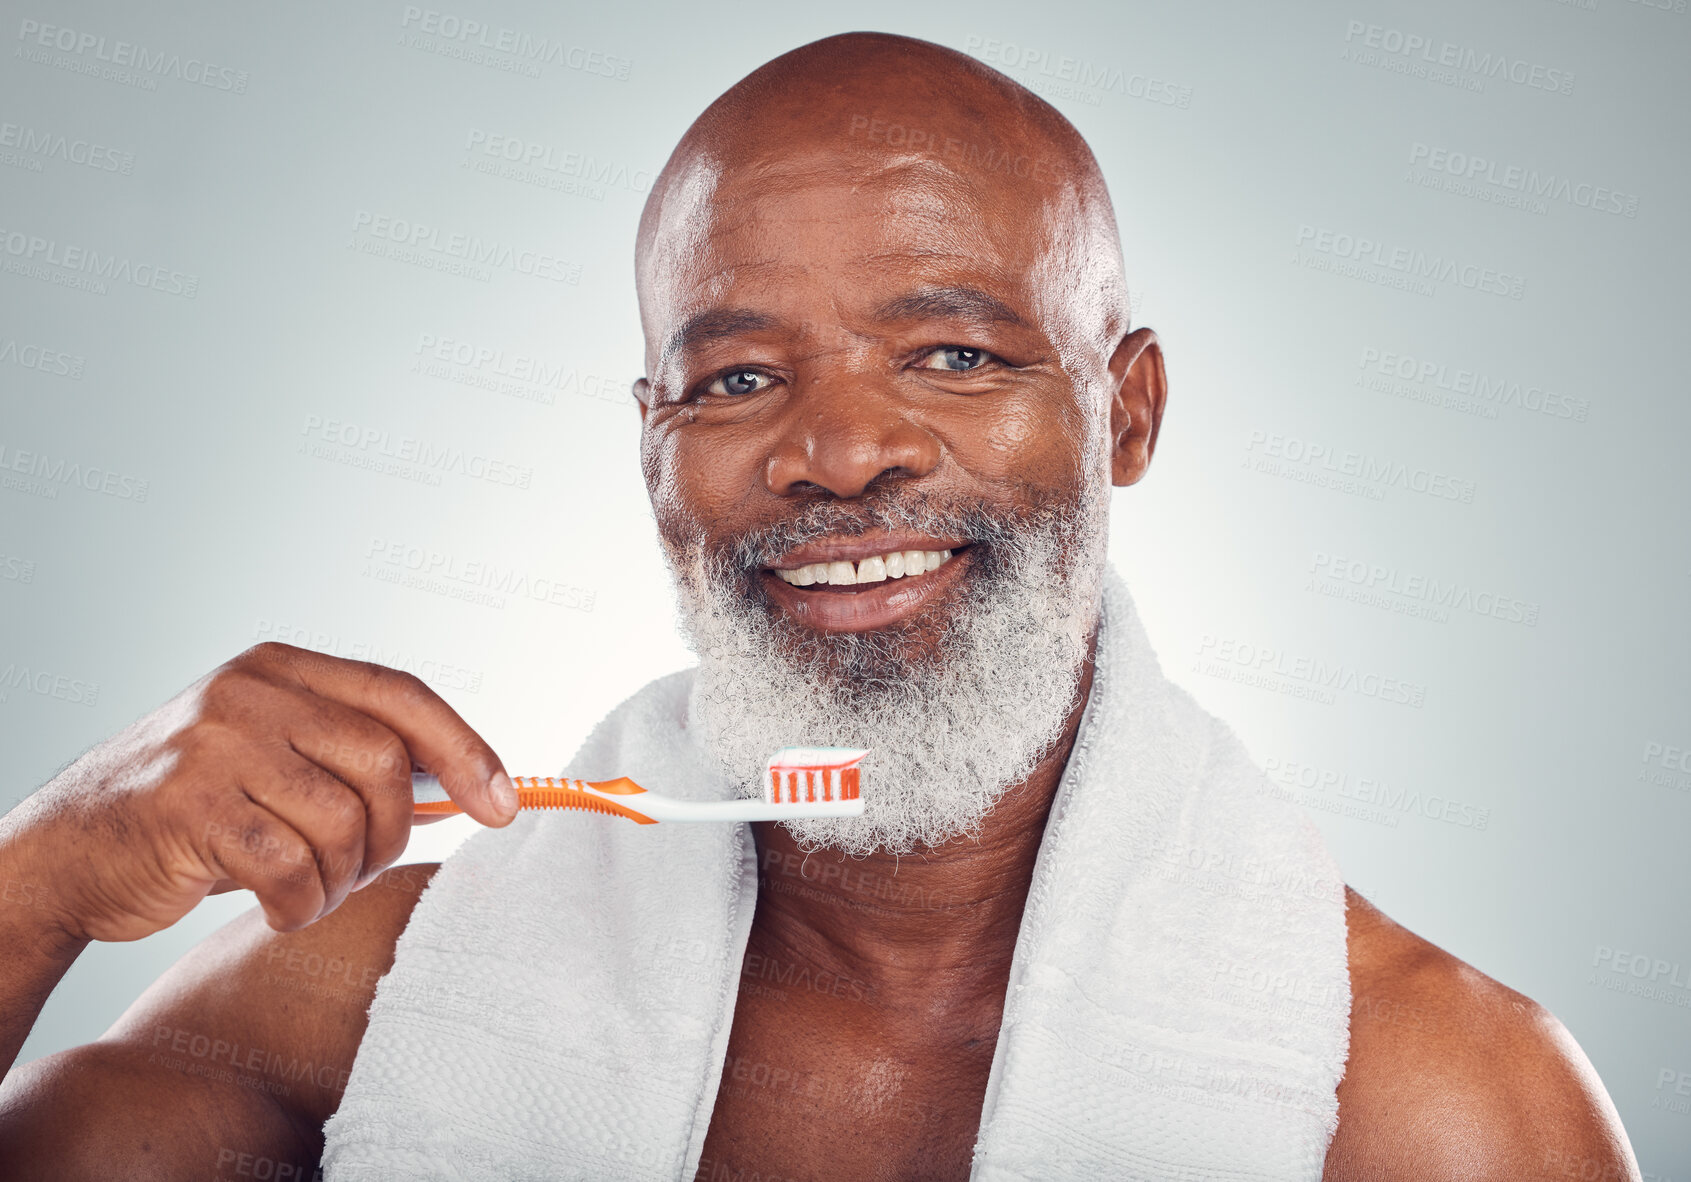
{"points": [[857, 548], [864, 607]]}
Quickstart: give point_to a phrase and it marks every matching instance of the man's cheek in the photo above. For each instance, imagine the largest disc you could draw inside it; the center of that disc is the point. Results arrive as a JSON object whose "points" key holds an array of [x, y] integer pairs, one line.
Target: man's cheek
{"points": [[1010, 434], [685, 487], [1024, 435]]}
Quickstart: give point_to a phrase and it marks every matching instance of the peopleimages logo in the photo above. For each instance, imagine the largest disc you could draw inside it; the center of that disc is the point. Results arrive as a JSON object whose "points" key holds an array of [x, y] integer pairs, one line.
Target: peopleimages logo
{"points": [[546, 158], [30, 145], [1427, 53], [511, 373], [1515, 179], [1379, 367], [472, 580], [94, 54], [1674, 764], [967, 153], [47, 361], [1372, 578], [1279, 451], [15, 676], [29, 253], [42, 475], [436, 249], [1644, 967], [1266, 660], [436, 672], [428, 459], [1410, 262], [1669, 756], [1389, 800], [467, 35], [17, 570], [1089, 75]]}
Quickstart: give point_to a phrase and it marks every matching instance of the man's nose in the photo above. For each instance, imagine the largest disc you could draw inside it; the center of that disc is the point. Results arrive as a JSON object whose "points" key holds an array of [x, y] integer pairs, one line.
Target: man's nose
{"points": [[843, 438]]}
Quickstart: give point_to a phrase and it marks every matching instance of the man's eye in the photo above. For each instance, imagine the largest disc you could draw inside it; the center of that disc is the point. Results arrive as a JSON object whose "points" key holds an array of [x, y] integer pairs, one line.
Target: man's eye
{"points": [[739, 381], [955, 358]]}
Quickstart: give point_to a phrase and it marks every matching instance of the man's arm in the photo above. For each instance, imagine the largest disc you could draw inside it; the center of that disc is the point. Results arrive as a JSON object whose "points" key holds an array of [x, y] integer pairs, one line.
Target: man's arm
{"points": [[1455, 1077], [285, 772], [227, 1066]]}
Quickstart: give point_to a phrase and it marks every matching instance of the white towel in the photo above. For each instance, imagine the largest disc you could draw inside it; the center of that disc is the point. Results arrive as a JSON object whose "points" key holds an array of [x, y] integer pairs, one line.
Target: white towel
{"points": [[1178, 1006]]}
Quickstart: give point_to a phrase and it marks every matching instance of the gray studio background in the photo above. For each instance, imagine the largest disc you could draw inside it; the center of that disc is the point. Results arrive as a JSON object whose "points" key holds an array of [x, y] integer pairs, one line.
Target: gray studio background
{"points": [[1427, 425]]}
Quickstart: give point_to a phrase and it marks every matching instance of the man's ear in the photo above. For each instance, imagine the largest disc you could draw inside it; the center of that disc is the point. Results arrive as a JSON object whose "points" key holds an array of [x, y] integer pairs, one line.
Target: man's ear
{"points": [[1139, 389], [643, 395]]}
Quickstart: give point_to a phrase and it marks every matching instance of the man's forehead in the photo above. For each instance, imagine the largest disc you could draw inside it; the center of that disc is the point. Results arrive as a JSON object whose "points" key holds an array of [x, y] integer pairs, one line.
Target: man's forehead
{"points": [[735, 208], [887, 240]]}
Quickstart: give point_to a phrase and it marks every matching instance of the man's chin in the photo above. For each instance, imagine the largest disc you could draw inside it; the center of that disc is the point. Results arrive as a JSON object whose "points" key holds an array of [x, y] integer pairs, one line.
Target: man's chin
{"points": [[897, 835], [852, 663]]}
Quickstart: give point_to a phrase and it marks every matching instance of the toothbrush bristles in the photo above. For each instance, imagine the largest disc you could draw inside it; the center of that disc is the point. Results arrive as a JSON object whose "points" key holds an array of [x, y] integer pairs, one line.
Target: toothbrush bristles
{"points": [[814, 775]]}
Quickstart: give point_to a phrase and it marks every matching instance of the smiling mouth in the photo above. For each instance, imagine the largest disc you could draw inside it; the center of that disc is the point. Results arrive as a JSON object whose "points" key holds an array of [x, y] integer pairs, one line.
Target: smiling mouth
{"points": [[866, 572], [846, 588]]}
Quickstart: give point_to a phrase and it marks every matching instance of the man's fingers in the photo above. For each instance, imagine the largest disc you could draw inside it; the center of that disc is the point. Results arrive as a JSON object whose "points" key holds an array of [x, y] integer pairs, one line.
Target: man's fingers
{"points": [[431, 730], [372, 759], [256, 849], [322, 810]]}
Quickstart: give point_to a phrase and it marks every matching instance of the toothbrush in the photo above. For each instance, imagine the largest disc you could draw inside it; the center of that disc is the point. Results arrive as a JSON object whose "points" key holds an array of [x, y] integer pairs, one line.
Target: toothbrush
{"points": [[800, 782]]}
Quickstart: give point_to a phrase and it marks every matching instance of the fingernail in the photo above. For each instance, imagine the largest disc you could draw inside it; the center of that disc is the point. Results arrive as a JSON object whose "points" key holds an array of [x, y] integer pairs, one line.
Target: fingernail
{"points": [[504, 792]]}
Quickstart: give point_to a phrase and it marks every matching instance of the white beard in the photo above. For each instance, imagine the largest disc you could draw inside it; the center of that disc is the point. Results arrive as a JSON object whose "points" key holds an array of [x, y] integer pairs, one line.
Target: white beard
{"points": [[946, 737]]}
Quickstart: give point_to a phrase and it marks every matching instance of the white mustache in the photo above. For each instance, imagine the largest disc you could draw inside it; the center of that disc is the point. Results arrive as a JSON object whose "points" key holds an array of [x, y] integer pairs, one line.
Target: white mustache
{"points": [[757, 548]]}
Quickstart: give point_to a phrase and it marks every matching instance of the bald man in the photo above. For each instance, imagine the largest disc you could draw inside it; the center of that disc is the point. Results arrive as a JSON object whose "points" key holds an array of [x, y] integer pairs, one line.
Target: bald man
{"points": [[890, 380]]}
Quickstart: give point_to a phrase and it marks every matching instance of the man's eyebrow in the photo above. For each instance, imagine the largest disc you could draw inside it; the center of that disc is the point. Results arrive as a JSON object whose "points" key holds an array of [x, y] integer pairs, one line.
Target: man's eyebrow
{"points": [[713, 324], [930, 303], [927, 303]]}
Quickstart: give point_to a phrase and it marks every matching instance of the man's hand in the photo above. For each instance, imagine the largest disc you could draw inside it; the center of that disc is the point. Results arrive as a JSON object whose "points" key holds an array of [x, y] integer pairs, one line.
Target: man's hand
{"points": [[283, 771]]}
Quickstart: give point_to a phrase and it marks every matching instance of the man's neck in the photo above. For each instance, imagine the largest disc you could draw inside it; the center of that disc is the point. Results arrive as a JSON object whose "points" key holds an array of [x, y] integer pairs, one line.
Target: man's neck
{"points": [[950, 911]]}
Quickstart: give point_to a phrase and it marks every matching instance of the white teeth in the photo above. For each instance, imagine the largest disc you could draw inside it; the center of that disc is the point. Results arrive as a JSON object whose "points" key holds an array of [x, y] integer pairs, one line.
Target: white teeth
{"points": [[900, 564]]}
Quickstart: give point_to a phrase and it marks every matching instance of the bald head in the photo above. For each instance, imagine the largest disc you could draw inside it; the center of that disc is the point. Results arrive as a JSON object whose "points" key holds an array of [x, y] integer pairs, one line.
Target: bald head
{"points": [[877, 277], [939, 137]]}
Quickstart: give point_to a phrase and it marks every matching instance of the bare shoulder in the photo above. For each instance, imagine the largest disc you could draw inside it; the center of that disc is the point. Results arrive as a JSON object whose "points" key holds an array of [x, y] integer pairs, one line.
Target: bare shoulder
{"points": [[229, 1063], [1452, 1075]]}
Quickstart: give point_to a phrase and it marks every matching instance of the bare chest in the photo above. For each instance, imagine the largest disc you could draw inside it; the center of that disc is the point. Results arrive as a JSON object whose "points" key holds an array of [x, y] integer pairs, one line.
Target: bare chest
{"points": [[825, 1087]]}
